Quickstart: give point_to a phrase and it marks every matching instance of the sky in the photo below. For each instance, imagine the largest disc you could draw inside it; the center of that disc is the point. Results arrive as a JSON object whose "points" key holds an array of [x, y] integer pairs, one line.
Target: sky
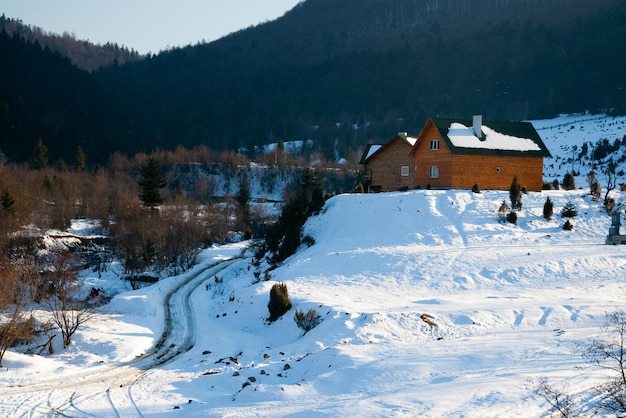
{"points": [[145, 25]]}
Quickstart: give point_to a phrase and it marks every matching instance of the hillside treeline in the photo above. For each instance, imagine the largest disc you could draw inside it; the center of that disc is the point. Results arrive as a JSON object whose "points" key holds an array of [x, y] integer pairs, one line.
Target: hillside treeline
{"points": [[338, 73], [83, 54], [199, 204]]}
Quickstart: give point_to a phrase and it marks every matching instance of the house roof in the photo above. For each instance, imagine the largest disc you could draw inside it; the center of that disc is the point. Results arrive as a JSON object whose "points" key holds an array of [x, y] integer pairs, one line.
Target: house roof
{"points": [[372, 149], [369, 151], [499, 138]]}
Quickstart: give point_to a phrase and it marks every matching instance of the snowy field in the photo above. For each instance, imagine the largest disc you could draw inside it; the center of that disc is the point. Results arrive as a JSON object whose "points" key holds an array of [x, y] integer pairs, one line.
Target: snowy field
{"points": [[508, 304]]}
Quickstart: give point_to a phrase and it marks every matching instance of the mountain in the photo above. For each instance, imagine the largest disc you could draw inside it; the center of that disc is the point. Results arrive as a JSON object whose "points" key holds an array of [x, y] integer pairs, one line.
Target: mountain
{"points": [[83, 54], [343, 73]]}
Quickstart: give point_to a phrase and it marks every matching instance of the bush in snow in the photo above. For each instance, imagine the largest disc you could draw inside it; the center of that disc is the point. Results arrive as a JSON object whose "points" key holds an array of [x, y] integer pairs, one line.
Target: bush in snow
{"points": [[569, 210], [609, 205], [503, 211], [569, 182], [515, 193], [512, 217], [308, 240], [279, 301], [548, 209], [307, 321], [568, 226], [475, 188]]}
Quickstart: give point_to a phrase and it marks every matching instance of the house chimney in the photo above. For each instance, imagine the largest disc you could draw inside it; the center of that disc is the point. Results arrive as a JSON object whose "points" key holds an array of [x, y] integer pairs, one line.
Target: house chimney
{"points": [[477, 126]]}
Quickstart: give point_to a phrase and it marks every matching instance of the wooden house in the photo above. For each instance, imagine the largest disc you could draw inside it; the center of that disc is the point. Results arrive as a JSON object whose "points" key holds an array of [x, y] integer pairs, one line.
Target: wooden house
{"points": [[455, 153], [389, 166]]}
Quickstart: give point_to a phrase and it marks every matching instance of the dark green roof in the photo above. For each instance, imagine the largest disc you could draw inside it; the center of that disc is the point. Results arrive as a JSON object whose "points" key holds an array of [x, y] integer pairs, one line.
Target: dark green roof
{"points": [[513, 129]]}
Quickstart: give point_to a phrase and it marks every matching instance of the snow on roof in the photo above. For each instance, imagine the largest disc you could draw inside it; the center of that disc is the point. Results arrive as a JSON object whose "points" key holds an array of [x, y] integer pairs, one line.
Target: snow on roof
{"points": [[411, 140], [372, 150], [464, 137]]}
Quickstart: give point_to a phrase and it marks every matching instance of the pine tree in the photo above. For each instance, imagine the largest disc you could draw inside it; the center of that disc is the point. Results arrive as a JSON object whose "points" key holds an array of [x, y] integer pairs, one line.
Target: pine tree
{"points": [[515, 193], [39, 158], [569, 182], [243, 200], [569, 210], [80, 161], [7, 202], [151, 183]]}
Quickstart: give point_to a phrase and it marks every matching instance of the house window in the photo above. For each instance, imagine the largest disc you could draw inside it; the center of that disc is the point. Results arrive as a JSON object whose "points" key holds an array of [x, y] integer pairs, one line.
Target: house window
{"points": [[434, 144], [433, 171], [404, 171], [497, 170]]}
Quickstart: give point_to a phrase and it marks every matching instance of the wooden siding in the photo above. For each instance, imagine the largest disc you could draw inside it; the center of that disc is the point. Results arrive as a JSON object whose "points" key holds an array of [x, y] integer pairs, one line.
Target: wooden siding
{"points": [[426, 158], [383, 169], [462, 171], [483, 170]]}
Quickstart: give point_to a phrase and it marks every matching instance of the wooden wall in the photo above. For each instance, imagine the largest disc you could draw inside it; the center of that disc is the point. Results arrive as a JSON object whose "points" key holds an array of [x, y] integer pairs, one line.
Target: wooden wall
{"points": [[463, 171], [483, 170], [383, 168], [425, 158]]}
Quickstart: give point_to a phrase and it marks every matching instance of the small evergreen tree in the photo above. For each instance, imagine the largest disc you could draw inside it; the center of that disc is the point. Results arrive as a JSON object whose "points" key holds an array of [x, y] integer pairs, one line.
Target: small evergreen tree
{"points": [[284, 237], [80, 161], [151, 183], [515, 193], [475, 188], [548, 209], [7, 202], [568, 226], [503, 211], [569, 210], [243, 200], [569, 182], [39, 158]]}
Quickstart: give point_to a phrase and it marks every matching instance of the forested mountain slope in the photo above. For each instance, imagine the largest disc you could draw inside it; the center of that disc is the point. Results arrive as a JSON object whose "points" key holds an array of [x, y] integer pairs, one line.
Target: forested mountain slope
{"points": [[345, 72]]}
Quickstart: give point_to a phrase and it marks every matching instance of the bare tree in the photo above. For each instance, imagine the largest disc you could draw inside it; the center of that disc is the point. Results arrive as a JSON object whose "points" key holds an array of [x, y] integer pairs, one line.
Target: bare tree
{"points": [[68, 310], [560, 402], [611, 179], [609, 353], [16, 289]]}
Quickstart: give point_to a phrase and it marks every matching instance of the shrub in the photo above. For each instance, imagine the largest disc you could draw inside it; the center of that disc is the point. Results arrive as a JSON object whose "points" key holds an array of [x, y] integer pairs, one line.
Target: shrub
{"points": [[548, 209], [503, 210], [569, 210], [403, 189], [279, 301], [475, 188], [569, 182], [307, 321], [595, 190], [515, 193], [568, 226], [546, 186], [609, 205], [308, 240], [512, 217]]}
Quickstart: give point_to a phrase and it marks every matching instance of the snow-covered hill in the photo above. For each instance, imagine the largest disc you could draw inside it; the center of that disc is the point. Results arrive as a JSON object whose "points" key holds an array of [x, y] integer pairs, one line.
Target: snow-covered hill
{"points": [[566, 137], [508, 303]]}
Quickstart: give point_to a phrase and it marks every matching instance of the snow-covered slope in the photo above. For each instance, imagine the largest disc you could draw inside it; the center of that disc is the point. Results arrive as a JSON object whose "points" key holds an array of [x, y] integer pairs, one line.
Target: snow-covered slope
{"points": [[566, 136], [507, 303]]}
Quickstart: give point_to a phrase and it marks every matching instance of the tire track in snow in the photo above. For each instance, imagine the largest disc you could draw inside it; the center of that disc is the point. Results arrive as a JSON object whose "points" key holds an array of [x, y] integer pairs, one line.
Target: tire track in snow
{"points": [[113, 385]]}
